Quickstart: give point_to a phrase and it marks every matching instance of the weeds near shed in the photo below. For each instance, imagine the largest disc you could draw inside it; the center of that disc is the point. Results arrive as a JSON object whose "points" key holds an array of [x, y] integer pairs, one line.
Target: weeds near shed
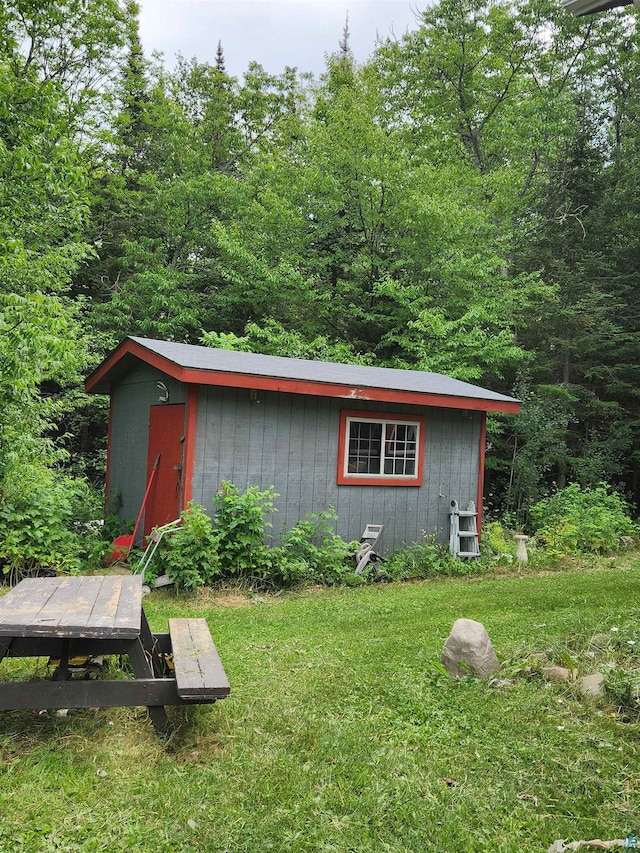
{"points": [[428, 559], [230, 548], [577, 521]]}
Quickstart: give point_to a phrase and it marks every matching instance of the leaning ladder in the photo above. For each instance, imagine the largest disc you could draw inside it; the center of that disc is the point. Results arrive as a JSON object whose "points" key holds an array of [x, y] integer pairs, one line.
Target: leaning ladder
{"points": [[463, 531]]}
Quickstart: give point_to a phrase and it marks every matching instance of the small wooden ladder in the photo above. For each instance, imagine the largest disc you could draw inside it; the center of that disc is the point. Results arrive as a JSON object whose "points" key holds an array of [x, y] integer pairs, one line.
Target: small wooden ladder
{"points": [[463, 531]]}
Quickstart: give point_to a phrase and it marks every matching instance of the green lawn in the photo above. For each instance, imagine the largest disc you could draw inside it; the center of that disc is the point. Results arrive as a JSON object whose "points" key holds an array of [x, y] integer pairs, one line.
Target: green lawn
{"points": [[340, 734]]}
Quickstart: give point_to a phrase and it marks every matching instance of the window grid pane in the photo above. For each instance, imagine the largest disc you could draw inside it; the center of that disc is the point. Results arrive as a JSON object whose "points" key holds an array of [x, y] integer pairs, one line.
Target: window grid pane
{"points": [[365, 447], [368, 454]]}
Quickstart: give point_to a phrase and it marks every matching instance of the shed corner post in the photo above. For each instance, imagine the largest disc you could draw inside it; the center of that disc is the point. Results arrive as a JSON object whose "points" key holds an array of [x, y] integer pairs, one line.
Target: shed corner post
{"points": [[481, 459], [191, 422], [107, 472]]}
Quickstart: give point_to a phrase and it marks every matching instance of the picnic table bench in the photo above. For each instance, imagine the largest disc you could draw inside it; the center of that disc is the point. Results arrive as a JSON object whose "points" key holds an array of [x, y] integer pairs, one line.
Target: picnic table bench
{"points": [[62, 618], [198, 670]]}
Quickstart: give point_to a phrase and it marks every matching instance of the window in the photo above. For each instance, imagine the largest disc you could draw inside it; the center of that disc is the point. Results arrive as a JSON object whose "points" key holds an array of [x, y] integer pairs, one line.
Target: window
{"points": [[380, 449]]}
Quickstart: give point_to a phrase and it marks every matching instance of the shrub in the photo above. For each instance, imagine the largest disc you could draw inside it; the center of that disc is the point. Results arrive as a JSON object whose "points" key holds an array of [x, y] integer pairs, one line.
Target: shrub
{"points": [[190, 555], [496, 539], [44, 518], [428, 559], [231, 547], [312, 551], [576, 520], [240, 525]]}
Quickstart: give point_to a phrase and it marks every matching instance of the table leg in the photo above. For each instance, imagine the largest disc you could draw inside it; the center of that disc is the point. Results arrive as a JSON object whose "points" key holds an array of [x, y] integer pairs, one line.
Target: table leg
{"points": [[62, 670], [142, 668], [150, 647], [5, 645]]}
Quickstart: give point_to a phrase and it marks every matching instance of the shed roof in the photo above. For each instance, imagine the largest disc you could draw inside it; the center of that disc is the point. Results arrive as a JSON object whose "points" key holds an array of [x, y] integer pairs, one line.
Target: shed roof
{"points": [[206, 366], [592, 7]]}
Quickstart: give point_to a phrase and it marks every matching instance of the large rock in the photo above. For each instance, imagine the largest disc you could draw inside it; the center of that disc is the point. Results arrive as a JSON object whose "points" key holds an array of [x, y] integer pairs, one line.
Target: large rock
{"points": [[469, 644]]}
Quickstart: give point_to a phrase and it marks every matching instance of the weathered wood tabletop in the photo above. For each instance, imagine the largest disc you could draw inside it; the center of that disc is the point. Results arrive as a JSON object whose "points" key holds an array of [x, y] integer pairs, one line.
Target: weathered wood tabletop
{"points": [[109, 607]]}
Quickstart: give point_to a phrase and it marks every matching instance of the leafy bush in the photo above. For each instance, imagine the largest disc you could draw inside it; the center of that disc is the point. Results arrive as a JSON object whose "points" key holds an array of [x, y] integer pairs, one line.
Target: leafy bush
{"points": [[312, 551], [240, 525], [497, 540], [428, 559], [190, 555], [231, 547], [576, 520], [44, 523]]}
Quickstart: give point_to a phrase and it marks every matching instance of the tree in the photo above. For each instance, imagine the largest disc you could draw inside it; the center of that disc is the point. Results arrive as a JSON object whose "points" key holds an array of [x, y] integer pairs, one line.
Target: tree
{"points": [[53, 62]]}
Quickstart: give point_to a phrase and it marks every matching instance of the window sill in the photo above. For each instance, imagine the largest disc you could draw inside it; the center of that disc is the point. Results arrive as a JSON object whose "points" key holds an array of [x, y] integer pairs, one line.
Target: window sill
{"points": [[354, 480]]}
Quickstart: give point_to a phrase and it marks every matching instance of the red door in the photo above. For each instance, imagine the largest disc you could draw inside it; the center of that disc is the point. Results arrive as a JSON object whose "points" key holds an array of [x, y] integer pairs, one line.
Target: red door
{"points": [[166, 439]]}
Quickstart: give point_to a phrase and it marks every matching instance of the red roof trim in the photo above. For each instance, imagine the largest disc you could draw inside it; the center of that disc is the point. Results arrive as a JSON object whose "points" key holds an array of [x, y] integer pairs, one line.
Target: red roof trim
{"points": [[293, 386]]}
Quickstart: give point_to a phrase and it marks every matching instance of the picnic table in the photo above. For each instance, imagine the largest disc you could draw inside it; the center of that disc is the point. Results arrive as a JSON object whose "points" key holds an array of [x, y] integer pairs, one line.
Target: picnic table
{"points": [[63, 618]]}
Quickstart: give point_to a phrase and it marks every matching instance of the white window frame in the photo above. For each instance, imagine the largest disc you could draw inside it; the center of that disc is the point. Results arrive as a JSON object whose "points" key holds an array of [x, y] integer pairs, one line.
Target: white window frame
{"points": [[346, 477]]}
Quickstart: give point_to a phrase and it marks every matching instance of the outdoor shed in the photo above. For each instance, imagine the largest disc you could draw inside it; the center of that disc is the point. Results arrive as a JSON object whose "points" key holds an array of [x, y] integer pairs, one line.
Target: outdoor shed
{"points": [[381, 446]]}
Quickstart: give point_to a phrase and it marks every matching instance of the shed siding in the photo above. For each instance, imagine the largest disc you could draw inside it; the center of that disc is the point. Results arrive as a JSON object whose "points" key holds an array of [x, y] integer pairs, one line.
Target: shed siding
{"points": [[290, 442], [131, 401]]}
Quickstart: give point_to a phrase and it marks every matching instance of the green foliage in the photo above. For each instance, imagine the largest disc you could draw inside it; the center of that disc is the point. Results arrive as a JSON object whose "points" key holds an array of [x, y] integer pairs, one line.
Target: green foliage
{"points": [[241, 520], [428, 559], [454, 204], [313, 552], [495, 537], [577, 520], [53, 56], [44, 523], [231, 548], [190, 556], [272, 338]]}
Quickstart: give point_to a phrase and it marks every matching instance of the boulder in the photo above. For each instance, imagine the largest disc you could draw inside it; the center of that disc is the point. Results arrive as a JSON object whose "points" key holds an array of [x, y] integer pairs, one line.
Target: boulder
{"points": [[468, 650]]}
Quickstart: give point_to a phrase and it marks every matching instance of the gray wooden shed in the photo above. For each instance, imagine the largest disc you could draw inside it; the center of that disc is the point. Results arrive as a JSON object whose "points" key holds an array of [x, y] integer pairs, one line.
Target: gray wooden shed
{"points": [[381, 446]]}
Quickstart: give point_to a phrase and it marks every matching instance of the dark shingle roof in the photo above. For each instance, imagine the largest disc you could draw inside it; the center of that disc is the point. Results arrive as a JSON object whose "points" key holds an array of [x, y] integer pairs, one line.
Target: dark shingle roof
{"points": [[593, 7], [207, 360]]}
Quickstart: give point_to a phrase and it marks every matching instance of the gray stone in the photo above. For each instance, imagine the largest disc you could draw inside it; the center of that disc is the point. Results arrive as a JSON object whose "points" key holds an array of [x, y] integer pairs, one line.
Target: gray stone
{"points": [[558, 674], [500, 683], [592, 685], [468, 651]]}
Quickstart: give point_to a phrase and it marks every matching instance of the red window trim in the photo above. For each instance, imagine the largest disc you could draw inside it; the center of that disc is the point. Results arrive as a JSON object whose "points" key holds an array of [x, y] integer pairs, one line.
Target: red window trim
{"points": [[381, 480]]}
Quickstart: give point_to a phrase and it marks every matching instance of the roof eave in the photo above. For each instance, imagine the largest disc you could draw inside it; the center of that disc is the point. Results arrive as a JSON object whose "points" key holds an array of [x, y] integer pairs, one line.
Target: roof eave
{"points": [[580, 8], [99, 383]]}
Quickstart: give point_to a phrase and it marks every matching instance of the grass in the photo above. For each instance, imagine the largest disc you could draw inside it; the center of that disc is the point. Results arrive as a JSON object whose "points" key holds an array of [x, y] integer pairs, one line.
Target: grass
{"points": [[342, 735]]}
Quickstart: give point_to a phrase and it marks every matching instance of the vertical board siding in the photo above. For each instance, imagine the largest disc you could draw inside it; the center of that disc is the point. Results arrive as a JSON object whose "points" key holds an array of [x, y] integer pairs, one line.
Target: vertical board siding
{"points": [[290, 442], [131, 402], [283, 415]]}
